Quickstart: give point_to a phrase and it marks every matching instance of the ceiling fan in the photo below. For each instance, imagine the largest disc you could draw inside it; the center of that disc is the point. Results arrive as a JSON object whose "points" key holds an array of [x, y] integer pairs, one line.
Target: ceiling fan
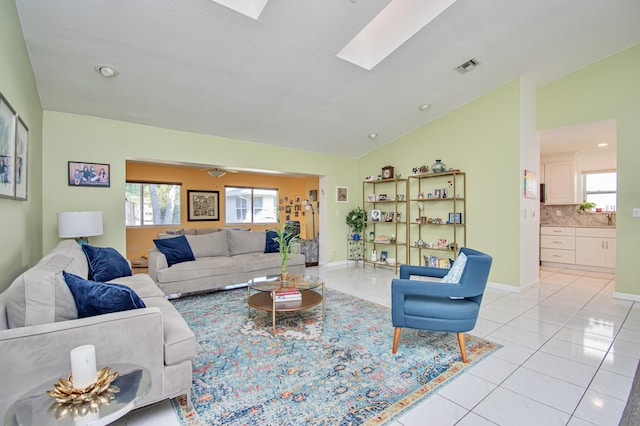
{"points": [[218, 172]]}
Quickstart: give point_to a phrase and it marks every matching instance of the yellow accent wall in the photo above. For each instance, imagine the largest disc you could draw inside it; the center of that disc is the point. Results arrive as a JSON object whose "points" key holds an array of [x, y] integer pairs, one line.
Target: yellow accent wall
{"points": [[91, 139], [608, 89], [22, 220], [140, 239]]}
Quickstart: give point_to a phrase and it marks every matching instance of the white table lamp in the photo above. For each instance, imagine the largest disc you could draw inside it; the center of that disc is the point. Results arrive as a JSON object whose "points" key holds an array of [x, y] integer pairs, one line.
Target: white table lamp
{"points": [[80, 225]]}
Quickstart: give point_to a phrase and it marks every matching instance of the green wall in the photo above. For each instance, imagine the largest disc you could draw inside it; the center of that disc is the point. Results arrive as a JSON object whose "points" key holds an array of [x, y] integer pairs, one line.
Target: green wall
{"points": [[607, 89], [71, 137], [22, 220], [481, 138]]}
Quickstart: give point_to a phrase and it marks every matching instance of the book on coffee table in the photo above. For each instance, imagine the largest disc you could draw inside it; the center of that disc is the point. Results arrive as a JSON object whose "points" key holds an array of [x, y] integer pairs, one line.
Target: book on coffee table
{"points": [[287, 294]]}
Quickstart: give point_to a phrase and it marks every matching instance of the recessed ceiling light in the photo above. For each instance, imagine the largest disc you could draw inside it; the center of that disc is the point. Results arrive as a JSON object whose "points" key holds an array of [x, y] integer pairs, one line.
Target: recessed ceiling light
{"points": [[602, 144], [468, 66], [373, 135], [106, 71], [424, 107]]}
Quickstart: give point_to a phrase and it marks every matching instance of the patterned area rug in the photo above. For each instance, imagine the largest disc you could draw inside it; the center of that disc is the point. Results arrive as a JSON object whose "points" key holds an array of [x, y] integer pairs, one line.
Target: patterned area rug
{"points": [[336, 371]]}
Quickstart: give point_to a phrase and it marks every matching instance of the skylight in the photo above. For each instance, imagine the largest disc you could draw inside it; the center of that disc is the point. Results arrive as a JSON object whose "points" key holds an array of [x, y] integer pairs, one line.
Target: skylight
{"points": [[250, 8], [391, 28]]}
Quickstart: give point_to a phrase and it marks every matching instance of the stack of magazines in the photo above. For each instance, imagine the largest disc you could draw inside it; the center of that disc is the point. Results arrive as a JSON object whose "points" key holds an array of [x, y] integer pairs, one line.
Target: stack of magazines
{"points": [[287, 294]]}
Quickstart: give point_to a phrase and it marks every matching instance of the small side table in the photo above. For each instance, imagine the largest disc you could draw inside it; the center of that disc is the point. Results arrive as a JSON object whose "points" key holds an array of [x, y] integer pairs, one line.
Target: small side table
{"points": [[34, 407]]}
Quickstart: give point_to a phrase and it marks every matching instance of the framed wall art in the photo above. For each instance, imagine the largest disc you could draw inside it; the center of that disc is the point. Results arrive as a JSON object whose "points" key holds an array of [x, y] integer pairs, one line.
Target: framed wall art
{"points": [[89, 174], [7, 149], [530, 184], [342, 194], [203, 205], [22, 159]]}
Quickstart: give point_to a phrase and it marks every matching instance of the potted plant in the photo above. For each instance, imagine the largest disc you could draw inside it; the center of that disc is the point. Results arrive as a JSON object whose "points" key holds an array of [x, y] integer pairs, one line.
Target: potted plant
{"points": [[584, 206], [284, 238], [355, 220]]}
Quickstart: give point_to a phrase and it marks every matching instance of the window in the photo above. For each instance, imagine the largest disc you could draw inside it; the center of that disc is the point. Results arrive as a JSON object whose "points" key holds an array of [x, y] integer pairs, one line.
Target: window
{"points": [[250, 205], [148, 203], [601, 188]]}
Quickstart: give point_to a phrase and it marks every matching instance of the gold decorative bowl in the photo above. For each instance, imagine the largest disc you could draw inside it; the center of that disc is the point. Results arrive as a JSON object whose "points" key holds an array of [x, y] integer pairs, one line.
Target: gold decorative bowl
{"points": [[64, 393]]}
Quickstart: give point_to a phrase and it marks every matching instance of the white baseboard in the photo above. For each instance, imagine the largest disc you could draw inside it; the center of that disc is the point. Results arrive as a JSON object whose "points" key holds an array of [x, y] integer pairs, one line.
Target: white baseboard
{"points": [[626, 296], [505, 287]]}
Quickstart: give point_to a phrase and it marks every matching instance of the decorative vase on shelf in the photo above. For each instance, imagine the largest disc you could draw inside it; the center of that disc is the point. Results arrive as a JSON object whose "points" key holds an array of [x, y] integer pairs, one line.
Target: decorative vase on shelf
{"points": [[356, 237], [438, 167]]}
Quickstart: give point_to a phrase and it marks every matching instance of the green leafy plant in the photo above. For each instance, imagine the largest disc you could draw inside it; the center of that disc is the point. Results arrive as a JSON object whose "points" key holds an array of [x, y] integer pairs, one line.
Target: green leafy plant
{"points": [[285, 238], [355, 219], [585, 205]]}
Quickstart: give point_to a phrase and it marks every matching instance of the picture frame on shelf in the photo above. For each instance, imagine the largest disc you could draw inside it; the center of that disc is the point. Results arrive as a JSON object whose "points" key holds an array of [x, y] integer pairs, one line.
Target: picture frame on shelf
{"points": [[387, 172], [83, 173], [388, 217], [7, 149], [437, 193], [342, 194], [455, 218], [22, 159], [383, 256], [203, 205], [376, 215]]}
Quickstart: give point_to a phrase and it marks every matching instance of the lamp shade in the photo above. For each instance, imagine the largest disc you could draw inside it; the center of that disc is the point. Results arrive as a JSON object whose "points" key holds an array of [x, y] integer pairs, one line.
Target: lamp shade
{"points": [[79, 224]]}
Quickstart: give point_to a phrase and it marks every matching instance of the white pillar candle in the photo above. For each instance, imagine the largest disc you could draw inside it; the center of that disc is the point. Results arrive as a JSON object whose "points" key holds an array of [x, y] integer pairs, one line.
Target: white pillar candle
{"points": [[83, 366]]}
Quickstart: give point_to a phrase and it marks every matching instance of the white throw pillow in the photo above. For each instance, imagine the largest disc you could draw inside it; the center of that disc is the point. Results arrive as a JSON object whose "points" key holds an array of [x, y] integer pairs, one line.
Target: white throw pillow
{"points": [[455, 272]]}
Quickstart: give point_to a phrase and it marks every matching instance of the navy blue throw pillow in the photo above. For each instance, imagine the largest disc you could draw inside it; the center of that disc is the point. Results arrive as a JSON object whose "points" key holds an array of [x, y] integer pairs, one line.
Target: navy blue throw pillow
{"points": [[272, 246], [95, 298], [105, 263], [176, 249]]}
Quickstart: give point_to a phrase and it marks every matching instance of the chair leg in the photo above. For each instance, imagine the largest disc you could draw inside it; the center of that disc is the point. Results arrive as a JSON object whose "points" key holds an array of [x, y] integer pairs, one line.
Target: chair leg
{"points": [[396, 339], [463, 349]]}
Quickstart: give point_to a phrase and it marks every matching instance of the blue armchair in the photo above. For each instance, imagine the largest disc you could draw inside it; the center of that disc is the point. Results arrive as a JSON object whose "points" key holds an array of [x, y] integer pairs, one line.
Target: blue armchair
{"points": [[441, 306]]}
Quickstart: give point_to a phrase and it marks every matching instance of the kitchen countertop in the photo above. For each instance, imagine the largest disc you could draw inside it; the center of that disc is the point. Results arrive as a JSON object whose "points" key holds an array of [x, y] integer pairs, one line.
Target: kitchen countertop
{"points": [[577, 226]]}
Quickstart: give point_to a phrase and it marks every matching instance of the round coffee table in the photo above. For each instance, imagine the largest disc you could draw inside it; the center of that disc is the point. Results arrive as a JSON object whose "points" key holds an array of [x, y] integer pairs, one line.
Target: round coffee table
{"points": [[37, 408], [264, 291]]}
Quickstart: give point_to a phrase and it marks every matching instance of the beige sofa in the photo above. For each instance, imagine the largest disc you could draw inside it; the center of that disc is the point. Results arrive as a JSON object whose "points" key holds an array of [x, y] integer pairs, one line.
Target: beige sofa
{"points": [[39, 327], [223, 260]]}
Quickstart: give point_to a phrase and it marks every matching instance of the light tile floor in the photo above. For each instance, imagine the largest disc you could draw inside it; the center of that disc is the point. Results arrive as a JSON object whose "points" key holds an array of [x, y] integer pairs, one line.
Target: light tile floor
{"points": [[569, 353]]}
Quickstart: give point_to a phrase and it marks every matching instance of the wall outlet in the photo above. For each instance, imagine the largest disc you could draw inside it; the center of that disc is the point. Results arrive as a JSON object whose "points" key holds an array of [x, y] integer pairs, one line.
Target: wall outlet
{"points": [[636, 212]]}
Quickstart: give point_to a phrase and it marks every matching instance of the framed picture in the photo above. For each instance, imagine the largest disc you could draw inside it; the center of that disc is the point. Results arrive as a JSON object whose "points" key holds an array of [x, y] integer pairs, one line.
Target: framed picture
{"points": [[7, 149], [298, 199], [388, 217], [458, 218], [530, 184], [313, 195], [88, 174], [375, 215], [383, 256], [342, 194], [203, 205], [22, 159]]}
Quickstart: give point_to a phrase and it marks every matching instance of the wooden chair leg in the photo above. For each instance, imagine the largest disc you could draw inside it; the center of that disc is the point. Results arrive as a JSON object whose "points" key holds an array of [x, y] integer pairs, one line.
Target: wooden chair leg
{"points": [[463, 349], [396, 339]]}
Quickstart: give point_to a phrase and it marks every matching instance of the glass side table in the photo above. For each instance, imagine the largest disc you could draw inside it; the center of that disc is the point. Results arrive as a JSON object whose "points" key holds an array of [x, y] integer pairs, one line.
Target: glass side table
{"points": [[36, 408]]}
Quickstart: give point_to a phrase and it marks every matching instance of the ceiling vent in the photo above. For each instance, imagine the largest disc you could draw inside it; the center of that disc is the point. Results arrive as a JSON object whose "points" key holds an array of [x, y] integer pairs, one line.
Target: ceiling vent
{"points": [[468, 66]]}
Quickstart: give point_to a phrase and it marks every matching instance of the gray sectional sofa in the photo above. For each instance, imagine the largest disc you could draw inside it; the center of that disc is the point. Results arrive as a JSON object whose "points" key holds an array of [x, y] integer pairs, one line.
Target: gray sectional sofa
{"points": [[39, 326], [223, 260]]}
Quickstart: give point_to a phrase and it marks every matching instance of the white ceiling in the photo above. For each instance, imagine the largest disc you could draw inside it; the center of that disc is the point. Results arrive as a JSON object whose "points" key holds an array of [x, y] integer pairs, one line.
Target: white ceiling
{"points": [[198, 66], [580, 138]]}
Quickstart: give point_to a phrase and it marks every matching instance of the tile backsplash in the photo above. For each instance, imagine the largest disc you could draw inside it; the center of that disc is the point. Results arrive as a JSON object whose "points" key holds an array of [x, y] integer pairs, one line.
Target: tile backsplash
{"points": [[568, 216]]}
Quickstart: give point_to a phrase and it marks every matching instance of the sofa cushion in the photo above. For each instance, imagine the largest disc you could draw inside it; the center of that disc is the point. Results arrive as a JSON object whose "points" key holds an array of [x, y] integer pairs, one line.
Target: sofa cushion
{"points": [[255, 262], [204, 231], [105, 263], [95, 298], [142, 284], [179, 340], [40, 295], [271, 245], [79, 266], [209, 245], [175, 249], [241, 242], [200, 268]]}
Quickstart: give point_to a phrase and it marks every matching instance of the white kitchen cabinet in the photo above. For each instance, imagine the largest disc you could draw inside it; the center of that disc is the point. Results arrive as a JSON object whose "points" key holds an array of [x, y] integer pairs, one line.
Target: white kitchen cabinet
{"points": [[560, 182], [557, 244], [596, 247]]}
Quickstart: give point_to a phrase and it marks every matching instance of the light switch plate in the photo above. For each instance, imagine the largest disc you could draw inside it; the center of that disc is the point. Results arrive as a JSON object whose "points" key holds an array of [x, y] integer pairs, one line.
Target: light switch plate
{"points": [[636, 212]]}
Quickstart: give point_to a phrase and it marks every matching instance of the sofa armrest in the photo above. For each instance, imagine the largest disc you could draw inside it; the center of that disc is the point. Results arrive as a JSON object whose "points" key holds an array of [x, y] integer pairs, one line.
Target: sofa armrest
{"points": [[34, 354], [157, 262]]}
